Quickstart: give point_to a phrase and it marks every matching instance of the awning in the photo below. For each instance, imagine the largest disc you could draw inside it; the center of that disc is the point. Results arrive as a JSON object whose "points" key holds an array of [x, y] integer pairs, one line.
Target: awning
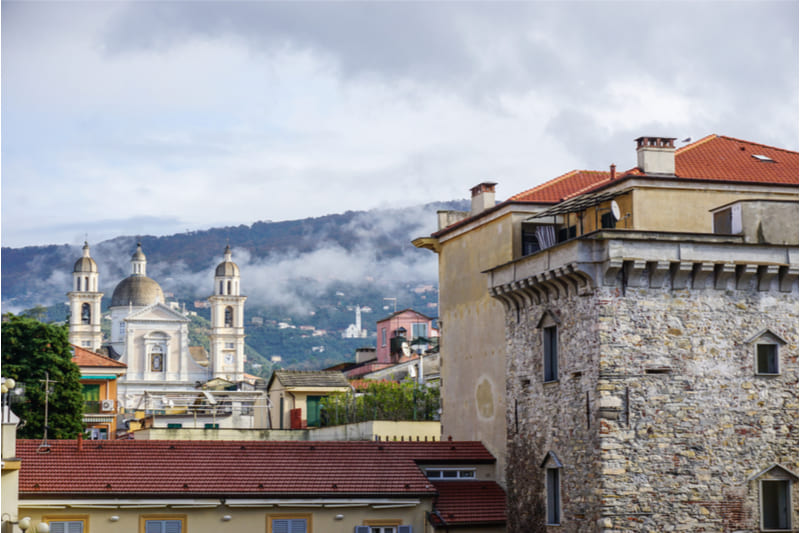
{"points": [[101, 376], [579, 203]]}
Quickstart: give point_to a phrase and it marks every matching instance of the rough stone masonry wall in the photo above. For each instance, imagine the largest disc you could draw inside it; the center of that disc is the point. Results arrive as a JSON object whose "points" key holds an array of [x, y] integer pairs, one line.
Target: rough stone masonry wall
{"points": [[678, 420]]}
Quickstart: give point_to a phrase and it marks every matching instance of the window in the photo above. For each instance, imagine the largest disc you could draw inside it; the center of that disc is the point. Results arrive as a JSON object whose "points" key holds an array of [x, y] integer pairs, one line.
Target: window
{"points": [[66, 526], [384, 526], [229, 287], [767, 359], [86, 314], [776, 504], [383, 336], [289, 524], [157, 359], [550, 352], [221, 286], [229, 317], [450, 473], [419, 329], [530, 242], [162, 524], [553, 484], [67, 523], [122, 329], [78, 284], [607, 220]]}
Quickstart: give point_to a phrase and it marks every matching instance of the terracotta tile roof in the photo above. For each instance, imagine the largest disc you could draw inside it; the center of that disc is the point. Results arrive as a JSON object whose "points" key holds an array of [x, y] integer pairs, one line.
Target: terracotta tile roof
{"points": [[309, 378], [717, 157], [86, 358], [462, 503], [561, 187], [246, 468]]}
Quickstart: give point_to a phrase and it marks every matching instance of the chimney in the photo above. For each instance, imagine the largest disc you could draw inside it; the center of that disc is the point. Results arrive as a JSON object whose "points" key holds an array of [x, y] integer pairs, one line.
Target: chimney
{"points": [[656, 155], [613, 171], [482, 197], [80, 442]]}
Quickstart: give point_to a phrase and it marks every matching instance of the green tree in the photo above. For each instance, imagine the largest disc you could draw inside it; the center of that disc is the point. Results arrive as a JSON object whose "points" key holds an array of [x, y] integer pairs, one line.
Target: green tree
{"points": [[30, 349], [383, 400]]}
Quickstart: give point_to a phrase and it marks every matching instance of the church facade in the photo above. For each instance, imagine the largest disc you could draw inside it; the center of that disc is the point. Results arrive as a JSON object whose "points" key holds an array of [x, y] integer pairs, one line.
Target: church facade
{"points": [[151, 337]]}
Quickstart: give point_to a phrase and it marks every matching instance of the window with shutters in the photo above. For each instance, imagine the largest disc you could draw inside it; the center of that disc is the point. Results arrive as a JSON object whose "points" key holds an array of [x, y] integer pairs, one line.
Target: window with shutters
{"points": [[289, 524], [384, 526], [162, 524], [67, 523]]}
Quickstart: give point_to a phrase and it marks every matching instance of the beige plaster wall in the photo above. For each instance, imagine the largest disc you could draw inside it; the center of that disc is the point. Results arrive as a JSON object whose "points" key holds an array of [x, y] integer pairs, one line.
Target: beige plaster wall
{"points": [[472, 338], [252, 520], [690, 210]]}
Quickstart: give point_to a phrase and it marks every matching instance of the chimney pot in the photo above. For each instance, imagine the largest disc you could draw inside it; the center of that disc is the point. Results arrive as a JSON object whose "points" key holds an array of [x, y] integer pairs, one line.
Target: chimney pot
{"points": [[80, 441], [482, 197], [656, 155], [613, 171]]}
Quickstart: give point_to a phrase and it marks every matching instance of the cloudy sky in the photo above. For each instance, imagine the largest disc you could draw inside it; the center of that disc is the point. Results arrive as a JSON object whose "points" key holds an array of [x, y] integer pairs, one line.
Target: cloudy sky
{"points": [[158, 117]]}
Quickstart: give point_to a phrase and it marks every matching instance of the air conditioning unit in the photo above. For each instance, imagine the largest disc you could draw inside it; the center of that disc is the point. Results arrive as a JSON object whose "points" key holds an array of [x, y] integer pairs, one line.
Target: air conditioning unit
{"points": [[107, 405]]}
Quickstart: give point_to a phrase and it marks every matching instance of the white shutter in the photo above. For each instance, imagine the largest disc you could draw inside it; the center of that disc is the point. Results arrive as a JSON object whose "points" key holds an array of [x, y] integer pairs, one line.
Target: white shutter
{"points": [[58, 527], [74, 527]]}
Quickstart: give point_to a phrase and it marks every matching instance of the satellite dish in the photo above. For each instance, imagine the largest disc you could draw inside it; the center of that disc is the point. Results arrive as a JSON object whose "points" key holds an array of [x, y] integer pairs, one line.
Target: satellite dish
{"points": [[615, 209]]}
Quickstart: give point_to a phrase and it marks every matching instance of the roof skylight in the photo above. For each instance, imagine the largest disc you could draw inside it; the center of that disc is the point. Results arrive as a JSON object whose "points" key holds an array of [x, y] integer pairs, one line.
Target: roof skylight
{"points": [[764, 158]]}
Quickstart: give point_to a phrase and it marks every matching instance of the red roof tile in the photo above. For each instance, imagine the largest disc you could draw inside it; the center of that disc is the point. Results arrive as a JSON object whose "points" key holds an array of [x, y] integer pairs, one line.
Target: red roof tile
{"points": [[559, 188], [245, 468], [86, 358], [717, 157], [470, 502]]}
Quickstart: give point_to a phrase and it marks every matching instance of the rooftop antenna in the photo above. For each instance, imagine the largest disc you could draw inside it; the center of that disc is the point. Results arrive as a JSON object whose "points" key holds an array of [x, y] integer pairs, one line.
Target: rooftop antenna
{"points": [[44, 447]]}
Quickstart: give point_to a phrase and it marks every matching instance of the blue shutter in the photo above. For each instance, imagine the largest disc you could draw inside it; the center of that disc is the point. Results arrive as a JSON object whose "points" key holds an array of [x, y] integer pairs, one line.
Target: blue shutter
{"points": [[280, 526], [405, 529], [72, 526], [172, 526], [297, 526], [153, 526], [362, 529]]}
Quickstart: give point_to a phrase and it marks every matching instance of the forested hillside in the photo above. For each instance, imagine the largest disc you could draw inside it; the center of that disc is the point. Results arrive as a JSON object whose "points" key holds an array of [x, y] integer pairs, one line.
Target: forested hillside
{"points": [[310, 273]]}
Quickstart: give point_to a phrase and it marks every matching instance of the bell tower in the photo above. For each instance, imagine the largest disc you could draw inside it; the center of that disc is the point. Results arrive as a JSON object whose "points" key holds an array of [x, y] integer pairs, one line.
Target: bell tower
{"points": [[84, 304], [227, 322]]}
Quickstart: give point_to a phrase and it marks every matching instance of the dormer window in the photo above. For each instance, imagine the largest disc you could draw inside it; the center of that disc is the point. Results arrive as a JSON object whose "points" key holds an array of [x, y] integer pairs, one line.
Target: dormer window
{"points": [[763, 158], [766, 348]]}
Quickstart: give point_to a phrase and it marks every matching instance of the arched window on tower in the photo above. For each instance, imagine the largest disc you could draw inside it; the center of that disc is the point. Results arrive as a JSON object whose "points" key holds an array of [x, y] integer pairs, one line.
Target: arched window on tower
{"points": [[221, 287], [78, 283], [229, 287], [86, 314], [86, 283], [229, 317]]}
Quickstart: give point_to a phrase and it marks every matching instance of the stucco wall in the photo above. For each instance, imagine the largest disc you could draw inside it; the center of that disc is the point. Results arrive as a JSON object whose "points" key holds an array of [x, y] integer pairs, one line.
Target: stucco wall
{"points": [[210, 520], [688, 210], [658, 416], [472, 339]]}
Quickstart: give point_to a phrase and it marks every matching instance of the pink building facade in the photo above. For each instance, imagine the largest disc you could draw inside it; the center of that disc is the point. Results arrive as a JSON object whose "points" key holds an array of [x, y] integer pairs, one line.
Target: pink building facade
{"points": [[401, 334]]}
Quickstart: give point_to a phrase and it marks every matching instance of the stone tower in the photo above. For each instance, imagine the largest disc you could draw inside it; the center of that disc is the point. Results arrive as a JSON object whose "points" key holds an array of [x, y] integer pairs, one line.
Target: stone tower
{"points": [[227, 322], [84, 303]]}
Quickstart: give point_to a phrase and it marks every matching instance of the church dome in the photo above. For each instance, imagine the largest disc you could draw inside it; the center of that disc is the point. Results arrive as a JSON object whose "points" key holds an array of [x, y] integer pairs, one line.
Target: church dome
{"points": [[227, 268], [137, 290], [85, 263]]}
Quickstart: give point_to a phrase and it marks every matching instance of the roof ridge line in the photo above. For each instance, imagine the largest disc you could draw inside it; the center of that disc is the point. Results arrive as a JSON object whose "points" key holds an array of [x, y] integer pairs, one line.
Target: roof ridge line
{"points": [[548, 182], [757, 144]]}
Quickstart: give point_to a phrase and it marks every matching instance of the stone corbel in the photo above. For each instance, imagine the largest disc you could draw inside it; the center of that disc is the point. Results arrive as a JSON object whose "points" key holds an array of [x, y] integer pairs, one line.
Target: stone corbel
{"points": [[634, 270], [559, 282], [497, 293], [723, 275], [613, 266], [745, 273], [702, 273], [787, 278], [658, 271], [766, 273], [551, 290], [533, 291], [680, 273]]}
